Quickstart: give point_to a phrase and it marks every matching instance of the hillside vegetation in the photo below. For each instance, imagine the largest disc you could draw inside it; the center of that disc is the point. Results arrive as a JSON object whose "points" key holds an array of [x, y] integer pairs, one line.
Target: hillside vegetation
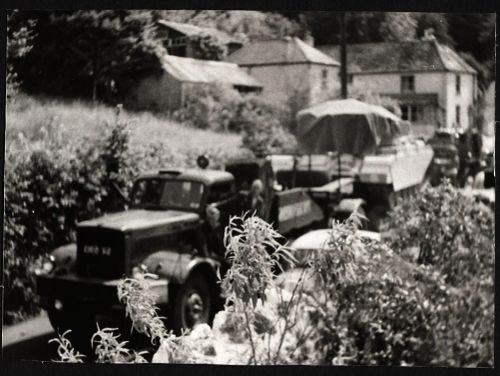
{"points": [[38, 117]]}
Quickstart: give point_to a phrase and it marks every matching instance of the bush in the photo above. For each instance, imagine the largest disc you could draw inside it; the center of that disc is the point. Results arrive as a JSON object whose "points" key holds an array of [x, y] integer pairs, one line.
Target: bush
{"points": [[264, 122], [372, 307], [453, 234], [208, 47], [448, 229], [264, 135], [209, 107]]}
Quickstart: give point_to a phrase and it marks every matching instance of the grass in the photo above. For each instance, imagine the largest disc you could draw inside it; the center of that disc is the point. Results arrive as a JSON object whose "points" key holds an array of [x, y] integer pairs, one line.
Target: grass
{"points": [[78, 119]]}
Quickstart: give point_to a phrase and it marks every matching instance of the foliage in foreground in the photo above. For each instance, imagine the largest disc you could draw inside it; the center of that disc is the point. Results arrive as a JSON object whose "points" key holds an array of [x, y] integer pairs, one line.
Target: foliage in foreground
{"points": [[356, 303], [453, 236]]}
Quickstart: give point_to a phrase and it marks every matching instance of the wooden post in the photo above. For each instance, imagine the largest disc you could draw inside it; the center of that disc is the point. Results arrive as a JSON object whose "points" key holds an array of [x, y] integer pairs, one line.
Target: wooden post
{"points": [[343, 56]]}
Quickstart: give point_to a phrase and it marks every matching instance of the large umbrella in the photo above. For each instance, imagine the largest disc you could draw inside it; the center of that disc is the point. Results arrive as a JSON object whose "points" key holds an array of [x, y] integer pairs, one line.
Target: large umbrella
{"points": [[347, 126]]}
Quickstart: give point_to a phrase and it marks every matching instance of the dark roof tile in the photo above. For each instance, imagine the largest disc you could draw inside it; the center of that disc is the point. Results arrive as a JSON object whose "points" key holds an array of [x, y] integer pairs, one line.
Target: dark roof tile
{"points": [[279, 51], [415, 55]]}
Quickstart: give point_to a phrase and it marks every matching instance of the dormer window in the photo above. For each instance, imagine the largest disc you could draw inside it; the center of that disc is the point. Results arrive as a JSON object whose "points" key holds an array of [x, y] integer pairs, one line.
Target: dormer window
{"points": [[408, 84]]}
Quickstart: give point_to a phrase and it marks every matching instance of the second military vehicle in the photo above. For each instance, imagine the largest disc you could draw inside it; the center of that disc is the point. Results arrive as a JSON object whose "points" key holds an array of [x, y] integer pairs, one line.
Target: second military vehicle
{"points": [[355, 157]]}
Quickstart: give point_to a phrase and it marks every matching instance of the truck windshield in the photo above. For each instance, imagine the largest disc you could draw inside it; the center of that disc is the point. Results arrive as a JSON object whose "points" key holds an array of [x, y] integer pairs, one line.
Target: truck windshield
{"points": [[167, 194]]}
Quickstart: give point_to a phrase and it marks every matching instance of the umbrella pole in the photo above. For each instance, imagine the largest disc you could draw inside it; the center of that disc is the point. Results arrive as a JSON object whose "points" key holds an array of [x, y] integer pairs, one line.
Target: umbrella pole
{"points": [[294, 171]]}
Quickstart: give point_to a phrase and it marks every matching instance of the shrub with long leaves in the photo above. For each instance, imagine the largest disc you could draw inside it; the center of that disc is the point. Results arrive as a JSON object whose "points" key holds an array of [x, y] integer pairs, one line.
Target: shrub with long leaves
{"points": [[65, 350], [253, 250], [109, 349], [140, 307], [255, 253]]}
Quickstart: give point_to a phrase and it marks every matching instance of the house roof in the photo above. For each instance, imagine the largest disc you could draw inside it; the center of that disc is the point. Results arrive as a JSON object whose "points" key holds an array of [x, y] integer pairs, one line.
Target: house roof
{"points": [[191, 30], [404, 56], [279, 51], [207, 71]]}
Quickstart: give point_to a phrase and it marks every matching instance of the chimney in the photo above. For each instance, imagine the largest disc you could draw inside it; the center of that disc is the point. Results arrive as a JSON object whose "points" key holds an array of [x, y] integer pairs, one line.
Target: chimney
{"points": [[428, 35], [309, 39]]}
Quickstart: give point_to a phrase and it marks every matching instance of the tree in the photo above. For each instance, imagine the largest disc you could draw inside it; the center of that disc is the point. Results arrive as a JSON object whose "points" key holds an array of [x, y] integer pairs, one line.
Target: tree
{"points": [[398, 26], [91, 53], [19, 42], [474, 34], [469, 31], [241, 25], [362, 27], [483, 74], [208, 47], [438, 23]]}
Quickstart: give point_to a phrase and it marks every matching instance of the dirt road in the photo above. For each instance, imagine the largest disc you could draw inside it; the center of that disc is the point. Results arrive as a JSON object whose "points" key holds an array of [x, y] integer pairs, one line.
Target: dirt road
{"points": [[29, 340]]}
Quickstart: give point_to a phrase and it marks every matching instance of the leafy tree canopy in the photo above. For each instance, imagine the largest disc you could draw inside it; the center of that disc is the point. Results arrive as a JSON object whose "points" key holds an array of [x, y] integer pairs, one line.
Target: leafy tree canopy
{"points": [[89, 53]]}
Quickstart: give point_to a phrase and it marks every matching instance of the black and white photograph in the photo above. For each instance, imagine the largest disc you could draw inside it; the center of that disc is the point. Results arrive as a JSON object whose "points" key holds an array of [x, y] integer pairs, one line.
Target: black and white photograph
{"points": [[249, 187]]}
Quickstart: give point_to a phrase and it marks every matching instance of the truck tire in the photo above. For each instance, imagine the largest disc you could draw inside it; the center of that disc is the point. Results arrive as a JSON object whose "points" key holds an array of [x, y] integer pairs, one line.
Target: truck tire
{"points": [[192, 303], [79, 320]]}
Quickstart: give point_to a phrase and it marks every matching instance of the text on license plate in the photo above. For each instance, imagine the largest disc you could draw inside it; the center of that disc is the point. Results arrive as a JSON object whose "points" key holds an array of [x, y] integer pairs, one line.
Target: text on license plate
{"points": [[97, 250]]}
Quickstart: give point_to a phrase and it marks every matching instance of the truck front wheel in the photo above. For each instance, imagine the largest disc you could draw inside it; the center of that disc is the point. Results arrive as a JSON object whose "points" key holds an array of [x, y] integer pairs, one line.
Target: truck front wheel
{"points": [[76, 318], [193, 303]]}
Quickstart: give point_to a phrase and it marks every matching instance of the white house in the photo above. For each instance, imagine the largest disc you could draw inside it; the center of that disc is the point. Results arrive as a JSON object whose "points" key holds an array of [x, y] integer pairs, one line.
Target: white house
{"points": [[290, 67], [433, 84]]}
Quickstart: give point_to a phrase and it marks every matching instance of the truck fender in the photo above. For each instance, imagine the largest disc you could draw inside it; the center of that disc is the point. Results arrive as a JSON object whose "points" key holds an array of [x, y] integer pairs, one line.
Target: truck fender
{"points": [[175, 266], [349, 205]]}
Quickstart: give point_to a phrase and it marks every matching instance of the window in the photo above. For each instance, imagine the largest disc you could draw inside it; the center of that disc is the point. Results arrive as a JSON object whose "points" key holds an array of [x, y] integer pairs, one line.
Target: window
{"points": [[152, 193], [412, 113], [180, 41], [324, 78], [457, 83], [220, 192], [457, 115], [407, 83]]}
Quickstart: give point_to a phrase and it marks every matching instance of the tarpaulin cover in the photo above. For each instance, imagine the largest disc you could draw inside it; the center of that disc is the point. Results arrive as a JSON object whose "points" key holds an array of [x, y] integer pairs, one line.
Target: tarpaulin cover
{"points": [[347, 126]]}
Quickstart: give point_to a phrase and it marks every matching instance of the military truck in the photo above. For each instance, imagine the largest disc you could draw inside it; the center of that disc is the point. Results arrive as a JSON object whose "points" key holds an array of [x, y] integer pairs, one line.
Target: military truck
{"points": [[354, 157], [165, 232]]}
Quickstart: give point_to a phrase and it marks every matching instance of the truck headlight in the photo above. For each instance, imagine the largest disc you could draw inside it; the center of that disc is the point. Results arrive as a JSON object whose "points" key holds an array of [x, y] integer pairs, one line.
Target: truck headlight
{"points": [[49, 264], [58, 305]]}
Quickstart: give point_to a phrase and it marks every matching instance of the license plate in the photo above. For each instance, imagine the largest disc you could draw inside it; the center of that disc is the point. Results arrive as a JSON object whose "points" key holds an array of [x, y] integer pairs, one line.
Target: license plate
{"points": [[97, 250]]}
